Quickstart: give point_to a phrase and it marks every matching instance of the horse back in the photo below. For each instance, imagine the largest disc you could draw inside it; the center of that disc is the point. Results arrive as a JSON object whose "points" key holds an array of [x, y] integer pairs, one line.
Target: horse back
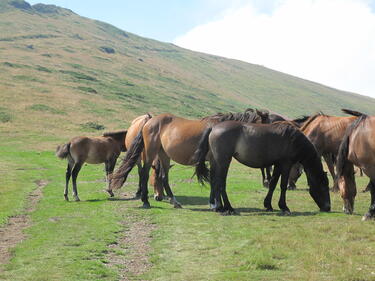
{"points": [[134, 129], [93, 150], [326, 132], [361, 143], [177, 136], [255, 145]]}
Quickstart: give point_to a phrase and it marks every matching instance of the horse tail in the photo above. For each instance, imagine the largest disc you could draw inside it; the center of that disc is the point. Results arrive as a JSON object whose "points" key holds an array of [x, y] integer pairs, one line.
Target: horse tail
{"points": [[352, 112], [131, 158], [199, 157], [342, 155], [63, 151]]}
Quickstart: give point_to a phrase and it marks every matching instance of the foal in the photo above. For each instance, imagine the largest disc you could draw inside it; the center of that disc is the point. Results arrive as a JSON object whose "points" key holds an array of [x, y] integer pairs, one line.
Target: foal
{"points": [[93, 150]]}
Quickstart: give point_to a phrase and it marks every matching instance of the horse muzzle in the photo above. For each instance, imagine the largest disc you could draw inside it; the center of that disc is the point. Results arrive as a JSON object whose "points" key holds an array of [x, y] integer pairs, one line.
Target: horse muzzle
{"points": [[326, 208]]}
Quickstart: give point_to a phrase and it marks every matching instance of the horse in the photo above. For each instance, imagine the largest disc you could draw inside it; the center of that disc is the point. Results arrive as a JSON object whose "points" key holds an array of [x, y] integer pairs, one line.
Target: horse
{"points": [[266, 172], [93, 150], [357, 148], [170, 137], [295, 171], [326, 133], [256, 146]]}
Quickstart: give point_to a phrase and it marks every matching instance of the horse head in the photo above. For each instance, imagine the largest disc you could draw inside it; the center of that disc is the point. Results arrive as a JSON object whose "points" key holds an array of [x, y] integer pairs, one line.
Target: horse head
{"points": [[318, 185]]}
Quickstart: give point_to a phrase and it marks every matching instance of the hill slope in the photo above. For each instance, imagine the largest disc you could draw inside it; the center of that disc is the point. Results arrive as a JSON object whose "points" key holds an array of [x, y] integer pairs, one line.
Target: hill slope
{"points": [[59, 71]]}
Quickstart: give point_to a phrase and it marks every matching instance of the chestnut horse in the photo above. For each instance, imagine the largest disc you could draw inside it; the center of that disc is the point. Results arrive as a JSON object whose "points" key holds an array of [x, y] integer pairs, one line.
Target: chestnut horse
{"points": [[326, 133], [170, 137], [357, 148], [256, 146], [93, 150]]}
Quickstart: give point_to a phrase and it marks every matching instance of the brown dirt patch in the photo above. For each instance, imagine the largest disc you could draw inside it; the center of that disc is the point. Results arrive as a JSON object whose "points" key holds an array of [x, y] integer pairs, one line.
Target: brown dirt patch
{"points": [[12, 233], [130, 254]]}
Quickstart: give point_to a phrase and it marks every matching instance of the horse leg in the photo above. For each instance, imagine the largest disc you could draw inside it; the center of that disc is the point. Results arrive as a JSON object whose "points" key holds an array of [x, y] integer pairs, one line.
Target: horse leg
{"points": [[221, 173], [268, 176], [264, 180], [331, 168], [67, 178], [75, 171], [165, 164], [274, 179], [144, 180], [371, 212], [284, 186], [109, 167], [294, 174], [139, 166], [156, 180]]}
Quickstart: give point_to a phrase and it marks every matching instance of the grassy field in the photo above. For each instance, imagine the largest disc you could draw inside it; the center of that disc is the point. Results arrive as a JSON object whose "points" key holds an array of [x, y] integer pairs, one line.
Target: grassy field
{"points": [[60, 71], [63, 75], [72, 241]]}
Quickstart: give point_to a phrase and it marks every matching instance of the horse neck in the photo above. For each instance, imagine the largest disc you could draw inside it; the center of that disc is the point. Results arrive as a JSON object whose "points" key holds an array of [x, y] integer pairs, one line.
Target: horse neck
{"points": [[309, 123], [312, 165]]}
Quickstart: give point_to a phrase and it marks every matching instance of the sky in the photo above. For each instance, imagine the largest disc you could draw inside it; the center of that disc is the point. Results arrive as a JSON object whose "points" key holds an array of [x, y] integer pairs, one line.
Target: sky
{"points": [[331, 42]]}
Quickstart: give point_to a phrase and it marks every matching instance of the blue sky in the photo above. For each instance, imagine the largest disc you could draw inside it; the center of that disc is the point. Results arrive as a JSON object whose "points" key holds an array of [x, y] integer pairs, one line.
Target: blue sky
{"points": [[163, 20], [327, 41]]}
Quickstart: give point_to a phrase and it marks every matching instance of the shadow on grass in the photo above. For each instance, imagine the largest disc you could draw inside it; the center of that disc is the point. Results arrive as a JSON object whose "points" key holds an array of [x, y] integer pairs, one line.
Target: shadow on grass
{"points": [[262, 212], [192, 200]]}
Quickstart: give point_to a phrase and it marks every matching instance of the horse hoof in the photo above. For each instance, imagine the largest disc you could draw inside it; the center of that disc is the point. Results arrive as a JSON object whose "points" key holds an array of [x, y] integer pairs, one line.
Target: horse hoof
{"points": [[367, 217], [110, 192], [269, 209], [291, 187], [137, 196], [66, 197], [76, 199], [177, 205], [146, 206], [158, 198], [230, 213], [212, 206], [286, 213]]}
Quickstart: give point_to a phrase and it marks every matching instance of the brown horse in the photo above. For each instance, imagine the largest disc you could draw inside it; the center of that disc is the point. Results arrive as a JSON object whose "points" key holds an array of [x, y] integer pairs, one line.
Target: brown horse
{"points": [[357, 148], [170, 137], [257, 146], [92, 150], [134, 129], [326, 133]]}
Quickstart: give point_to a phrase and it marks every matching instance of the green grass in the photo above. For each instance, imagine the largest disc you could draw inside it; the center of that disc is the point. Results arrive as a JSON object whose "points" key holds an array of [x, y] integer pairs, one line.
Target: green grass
{"points": [[65, 86], [69, 240]]}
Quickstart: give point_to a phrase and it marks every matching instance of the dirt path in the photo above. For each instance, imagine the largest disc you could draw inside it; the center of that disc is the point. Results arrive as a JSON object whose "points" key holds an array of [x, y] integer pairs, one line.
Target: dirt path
{"points": [[134, 242], [12, 233]]}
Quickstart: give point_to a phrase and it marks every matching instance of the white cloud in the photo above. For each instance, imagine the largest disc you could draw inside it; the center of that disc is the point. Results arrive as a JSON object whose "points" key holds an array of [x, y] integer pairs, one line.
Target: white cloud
{"points": [[328, 41]]}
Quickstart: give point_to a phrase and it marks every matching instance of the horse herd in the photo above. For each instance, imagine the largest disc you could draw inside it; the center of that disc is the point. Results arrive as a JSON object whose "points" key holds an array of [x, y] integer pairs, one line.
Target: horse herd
{"points": [[254, 138]]}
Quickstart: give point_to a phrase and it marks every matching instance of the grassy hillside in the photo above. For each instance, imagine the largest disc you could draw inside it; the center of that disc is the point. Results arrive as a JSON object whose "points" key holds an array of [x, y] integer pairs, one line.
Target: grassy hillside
{"points": [[59, 71]]}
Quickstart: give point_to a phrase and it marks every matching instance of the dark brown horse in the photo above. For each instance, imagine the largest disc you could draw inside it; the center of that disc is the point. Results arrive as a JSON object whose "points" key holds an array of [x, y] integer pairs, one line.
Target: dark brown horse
{"points": [[92, 150], [326, 133], [170, 137], [357, 148], [257, 146]]}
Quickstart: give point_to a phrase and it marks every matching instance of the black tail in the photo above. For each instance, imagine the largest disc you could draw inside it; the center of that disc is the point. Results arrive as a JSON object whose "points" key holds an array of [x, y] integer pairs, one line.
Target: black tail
{"points": [[131, 158], [342, 155], [62, 151], [352, 112], [203, 174]]}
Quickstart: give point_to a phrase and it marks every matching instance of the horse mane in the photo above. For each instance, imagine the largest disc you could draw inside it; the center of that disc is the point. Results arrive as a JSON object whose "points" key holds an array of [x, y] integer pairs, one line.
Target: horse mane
{"points": [[249, 116], [352, 112], [118, 135], [302, 143], [301, 119], [310, 119], [342, 154]]}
